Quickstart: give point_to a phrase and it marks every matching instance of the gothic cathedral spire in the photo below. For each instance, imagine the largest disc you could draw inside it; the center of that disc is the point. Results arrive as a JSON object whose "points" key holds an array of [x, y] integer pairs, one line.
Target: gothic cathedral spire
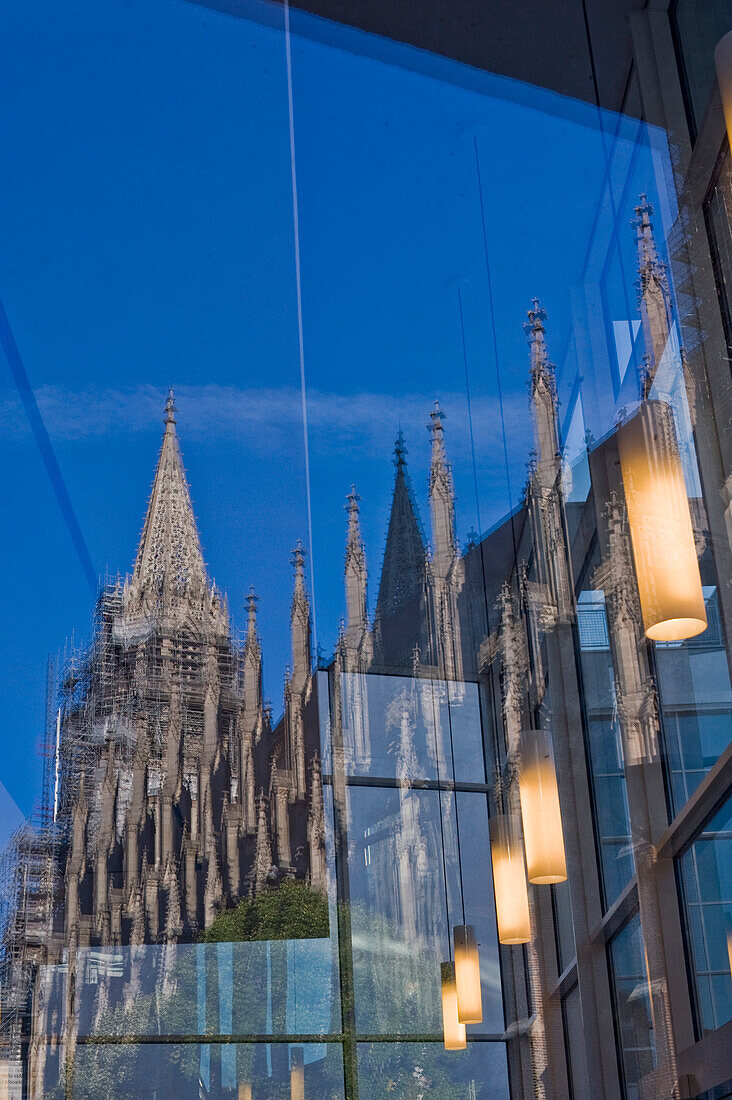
{"points": [[300, 623], [654, 297], [356, 576], [543, 397], [402, 574], [170, 574], [442, 498]]}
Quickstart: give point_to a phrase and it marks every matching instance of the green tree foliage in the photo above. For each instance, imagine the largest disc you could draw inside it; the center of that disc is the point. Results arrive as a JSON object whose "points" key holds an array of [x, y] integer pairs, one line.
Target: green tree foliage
{"points": [[290, 911]]}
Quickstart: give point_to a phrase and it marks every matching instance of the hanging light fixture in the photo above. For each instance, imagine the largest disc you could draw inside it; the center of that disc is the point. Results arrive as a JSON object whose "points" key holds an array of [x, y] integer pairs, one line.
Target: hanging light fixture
{"points": [[297, 1073], [723, 65], [467, 975], [452, 1030], [245, 1092], [540, 813], [509, 880], [669, 583]]}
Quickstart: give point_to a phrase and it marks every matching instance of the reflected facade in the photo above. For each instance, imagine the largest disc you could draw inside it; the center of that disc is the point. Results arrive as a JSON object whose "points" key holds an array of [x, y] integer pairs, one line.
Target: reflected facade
{"points": [[470, 684]]}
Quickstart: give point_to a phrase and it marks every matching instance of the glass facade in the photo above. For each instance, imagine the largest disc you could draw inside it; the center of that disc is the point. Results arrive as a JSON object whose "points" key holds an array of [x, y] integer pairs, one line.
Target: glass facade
{"points": [[704, 871], [427, 794], [699, 27], [635, 1024]]}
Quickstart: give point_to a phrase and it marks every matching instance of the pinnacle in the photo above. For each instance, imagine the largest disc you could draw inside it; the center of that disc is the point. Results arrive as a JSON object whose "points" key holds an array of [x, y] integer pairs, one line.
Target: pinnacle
{"points": [[534, 327], [251, 600], [298, 562], [404, 554], [436, 417], [169, 558], [400, 451], [170, 409]]}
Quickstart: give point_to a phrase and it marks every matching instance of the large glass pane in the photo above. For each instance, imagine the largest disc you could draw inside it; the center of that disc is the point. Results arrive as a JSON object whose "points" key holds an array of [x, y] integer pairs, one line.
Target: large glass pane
{"points": [[699, 26], [414, 1070], [576, 1056], [411, 728], [718, 211], [262, 804], [706, 886], [634, 1018], [189, 1071], [401, 914], [605, 748]]}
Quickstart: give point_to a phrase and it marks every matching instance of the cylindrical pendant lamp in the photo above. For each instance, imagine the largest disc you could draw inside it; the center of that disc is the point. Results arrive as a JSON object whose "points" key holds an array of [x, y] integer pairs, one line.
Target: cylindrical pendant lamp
{"points": [[667, 570], [297, 1073], [723, 65], [467, 975], [453, 1031], [540, 813], [509, 880], [245, 1092]]}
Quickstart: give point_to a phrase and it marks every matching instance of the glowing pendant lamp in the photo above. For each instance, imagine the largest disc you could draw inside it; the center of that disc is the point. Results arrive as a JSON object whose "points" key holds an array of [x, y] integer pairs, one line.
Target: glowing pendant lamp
{"points": [[723, 65], [245, 1092], [540, 813], [453, 1031], [509, 880], [467, 975], [297, 1073], [669, 584]]}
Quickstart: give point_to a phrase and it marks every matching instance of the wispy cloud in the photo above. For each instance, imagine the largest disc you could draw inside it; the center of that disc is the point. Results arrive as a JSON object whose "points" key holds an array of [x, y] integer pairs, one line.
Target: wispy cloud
{"points": [[270, 418]]}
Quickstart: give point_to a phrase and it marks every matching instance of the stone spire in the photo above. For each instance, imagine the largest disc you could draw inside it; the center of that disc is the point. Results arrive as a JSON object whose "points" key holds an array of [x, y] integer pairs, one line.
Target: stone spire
{"points": [[252, 657], [442, 498], [402, 573], [263, 851], [355, 574], [169, 569], [300, 623], [316, 828], [654, 298], [543, 397]]}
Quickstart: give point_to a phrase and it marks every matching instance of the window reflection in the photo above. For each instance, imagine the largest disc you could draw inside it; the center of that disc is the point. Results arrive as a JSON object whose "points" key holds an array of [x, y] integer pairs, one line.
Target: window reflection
{"points": [[706, 879], [401, 918], [605, 749], [633, 1006]]}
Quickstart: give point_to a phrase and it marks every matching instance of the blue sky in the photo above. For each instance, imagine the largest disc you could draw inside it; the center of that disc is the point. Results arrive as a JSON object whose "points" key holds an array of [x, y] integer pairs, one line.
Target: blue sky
{"points": [[146, 239]]}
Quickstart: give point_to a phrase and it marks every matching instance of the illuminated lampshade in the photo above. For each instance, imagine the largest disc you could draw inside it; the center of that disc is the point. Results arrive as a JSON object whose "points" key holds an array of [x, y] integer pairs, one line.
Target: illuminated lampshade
{"points": [[467, 975], [453, 1031], [509, 880], [723, 64], [729, 949], [669, 584], [245, 1092], [542, 820], [297, 1073]]}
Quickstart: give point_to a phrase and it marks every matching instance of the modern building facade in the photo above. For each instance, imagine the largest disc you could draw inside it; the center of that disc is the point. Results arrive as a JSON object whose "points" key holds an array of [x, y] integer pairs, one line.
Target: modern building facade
{"points": [[219, 897]]}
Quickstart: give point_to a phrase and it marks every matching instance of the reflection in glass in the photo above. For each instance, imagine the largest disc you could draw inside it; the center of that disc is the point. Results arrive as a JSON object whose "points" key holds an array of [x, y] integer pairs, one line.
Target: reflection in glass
{"points": [[411, 727], [706, 887], [190, 1071], [411, 1070], [399, 918], [633, 1005], [452, 1029], [509, 880], [664, 549], [572, 1019], [540, 813], [605, 753], [467, 975]]}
